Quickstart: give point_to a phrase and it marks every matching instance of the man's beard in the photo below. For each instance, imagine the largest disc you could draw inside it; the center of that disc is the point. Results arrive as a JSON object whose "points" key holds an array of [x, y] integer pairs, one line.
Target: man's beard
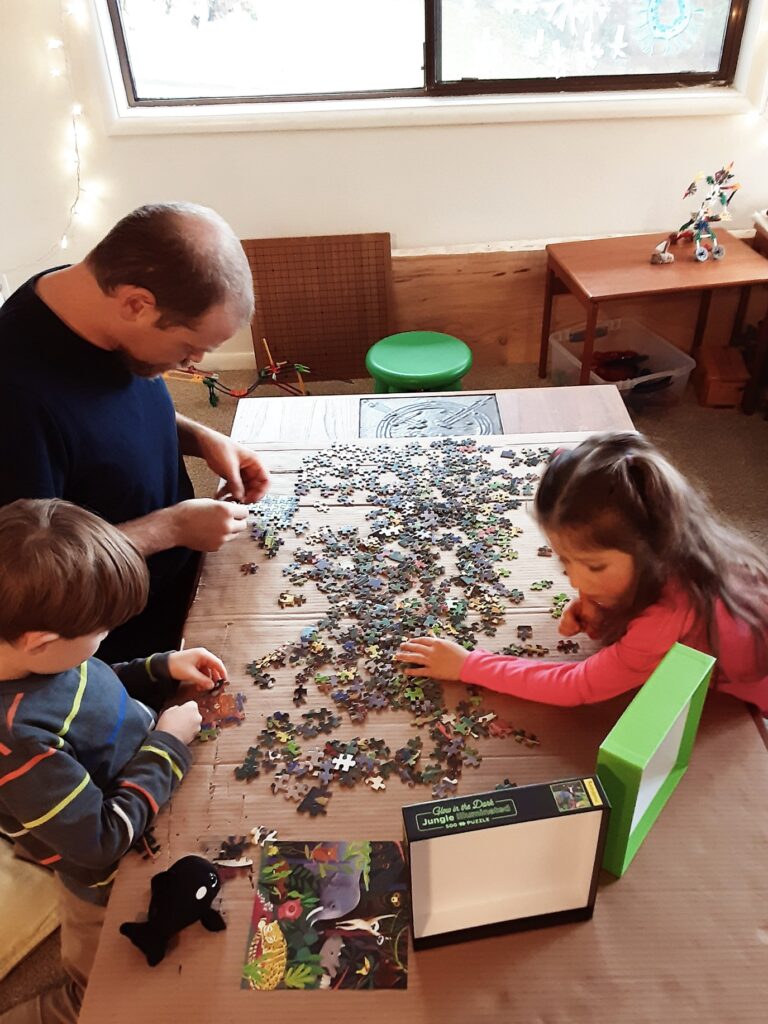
{"points": [[142, 369]]}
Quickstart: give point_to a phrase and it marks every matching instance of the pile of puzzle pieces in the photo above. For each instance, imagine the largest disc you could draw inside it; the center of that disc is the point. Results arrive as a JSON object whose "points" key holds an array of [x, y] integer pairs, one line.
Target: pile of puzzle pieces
{"points": [[384, 584]]}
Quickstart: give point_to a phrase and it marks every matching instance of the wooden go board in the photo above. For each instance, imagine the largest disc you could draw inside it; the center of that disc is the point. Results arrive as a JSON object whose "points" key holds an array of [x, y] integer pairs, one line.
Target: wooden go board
{"points": [[321, 300]]}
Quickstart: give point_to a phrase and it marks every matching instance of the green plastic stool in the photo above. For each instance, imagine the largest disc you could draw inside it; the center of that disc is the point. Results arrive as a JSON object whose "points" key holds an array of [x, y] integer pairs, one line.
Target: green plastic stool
{"points": [[418, 361]]}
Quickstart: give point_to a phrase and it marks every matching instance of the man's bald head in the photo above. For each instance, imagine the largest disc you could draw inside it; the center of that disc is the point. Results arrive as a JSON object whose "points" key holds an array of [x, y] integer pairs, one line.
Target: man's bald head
{"points": [[186, 255]]}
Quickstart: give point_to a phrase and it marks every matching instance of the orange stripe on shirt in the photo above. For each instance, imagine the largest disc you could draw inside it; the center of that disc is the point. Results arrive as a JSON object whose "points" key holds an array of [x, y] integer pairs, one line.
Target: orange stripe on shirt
{"points": [[50, 860], [5, 751], [13, 709], [25, 767], [140, 789]]}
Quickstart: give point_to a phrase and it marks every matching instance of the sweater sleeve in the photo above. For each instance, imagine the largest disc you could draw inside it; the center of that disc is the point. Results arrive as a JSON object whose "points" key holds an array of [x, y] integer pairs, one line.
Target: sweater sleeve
{"points": [[32, 451], [615, 669], [148, 679], [50, 793]]}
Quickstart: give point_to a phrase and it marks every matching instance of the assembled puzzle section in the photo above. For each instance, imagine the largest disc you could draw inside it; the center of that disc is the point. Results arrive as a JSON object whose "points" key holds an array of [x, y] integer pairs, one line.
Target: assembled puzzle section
{"points": [[646, 754], [513, 858]]}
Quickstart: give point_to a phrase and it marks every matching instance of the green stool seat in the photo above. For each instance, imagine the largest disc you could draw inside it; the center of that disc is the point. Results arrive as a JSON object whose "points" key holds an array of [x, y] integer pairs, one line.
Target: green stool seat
{"points": [[418, 361]]}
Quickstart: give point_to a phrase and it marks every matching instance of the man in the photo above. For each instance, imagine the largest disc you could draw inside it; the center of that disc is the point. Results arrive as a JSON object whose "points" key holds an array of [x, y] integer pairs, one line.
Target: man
{"points": [[86, 417]]}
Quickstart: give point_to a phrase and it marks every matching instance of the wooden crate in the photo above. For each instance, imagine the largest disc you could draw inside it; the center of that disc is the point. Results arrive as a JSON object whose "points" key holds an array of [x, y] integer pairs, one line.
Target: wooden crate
{"points": [[721, 377]]}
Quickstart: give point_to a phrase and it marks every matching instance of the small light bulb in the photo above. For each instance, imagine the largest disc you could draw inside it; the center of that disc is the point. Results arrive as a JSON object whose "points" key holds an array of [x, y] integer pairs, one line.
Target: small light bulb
{"points": [[64, 243], [77, 110], [55, 44], [56, 72]]}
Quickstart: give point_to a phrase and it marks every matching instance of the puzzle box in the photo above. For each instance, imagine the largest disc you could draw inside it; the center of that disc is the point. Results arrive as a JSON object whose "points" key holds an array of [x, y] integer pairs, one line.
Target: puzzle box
{"points": [[518, 857], [646, 754]]}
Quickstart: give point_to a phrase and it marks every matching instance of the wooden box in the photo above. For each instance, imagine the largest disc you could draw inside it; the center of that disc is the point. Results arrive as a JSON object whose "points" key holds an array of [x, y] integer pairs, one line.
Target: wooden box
{"points": [[721, 377]]}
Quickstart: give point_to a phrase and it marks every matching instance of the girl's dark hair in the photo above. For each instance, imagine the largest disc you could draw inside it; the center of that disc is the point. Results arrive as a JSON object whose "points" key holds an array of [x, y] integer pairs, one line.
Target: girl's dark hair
{"points": [[618, 491], [64, 570]]}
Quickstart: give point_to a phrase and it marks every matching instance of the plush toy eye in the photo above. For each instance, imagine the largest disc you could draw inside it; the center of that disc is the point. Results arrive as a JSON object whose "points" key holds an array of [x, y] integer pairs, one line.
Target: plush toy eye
{"points": [[201, 893]]}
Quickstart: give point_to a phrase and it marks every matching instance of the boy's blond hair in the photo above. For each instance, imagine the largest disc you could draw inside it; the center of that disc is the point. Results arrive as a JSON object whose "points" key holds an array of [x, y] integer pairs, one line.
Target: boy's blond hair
{"points": [[64, 570]]}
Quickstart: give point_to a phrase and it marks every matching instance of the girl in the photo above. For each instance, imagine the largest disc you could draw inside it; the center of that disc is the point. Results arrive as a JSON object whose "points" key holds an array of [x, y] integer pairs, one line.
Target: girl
{"points": [[652, 567]]}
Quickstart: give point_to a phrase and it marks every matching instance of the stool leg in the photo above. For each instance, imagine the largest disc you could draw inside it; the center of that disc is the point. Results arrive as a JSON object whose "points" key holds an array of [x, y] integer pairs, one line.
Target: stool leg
{"points": [[455, 385], [380, 387]]}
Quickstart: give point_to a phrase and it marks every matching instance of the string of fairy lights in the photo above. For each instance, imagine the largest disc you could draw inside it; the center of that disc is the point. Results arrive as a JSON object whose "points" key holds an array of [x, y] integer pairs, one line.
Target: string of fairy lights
{"points": [[71, 12]]}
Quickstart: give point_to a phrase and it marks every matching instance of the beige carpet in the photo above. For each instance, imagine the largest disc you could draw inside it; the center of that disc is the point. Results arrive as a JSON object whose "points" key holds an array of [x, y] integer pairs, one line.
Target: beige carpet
{"points": [[724, 451]]}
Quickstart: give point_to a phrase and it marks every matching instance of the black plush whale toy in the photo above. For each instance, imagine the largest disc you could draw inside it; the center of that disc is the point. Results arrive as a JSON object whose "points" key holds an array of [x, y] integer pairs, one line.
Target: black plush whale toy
{"points": [[180, 896]]}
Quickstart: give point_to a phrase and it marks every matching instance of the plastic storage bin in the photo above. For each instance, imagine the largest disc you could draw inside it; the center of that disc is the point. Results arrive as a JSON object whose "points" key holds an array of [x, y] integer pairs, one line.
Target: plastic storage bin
{"points": [[670, 368]]}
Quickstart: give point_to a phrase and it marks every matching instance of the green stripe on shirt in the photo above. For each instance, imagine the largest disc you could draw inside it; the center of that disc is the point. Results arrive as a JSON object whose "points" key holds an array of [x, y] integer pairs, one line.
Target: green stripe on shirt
{"points": [[59, 806], [77, 701], [156, 750]]}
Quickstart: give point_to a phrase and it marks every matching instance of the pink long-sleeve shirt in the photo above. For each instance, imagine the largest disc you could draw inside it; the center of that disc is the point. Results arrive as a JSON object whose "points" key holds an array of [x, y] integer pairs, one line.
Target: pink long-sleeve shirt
{"points": [[629, 662]]}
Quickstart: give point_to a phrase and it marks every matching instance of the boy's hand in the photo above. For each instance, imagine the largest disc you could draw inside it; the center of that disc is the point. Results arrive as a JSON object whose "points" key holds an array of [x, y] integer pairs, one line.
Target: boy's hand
{"points": [[197, 668], [182, 721], [437, 659]]}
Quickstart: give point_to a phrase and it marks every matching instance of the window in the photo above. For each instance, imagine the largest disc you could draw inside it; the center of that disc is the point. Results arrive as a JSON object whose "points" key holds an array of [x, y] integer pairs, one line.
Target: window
{"points": [[224, 51]]}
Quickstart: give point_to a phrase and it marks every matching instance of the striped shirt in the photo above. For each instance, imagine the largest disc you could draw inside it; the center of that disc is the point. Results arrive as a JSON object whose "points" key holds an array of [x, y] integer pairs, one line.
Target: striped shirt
{"points": [[82, 769]]}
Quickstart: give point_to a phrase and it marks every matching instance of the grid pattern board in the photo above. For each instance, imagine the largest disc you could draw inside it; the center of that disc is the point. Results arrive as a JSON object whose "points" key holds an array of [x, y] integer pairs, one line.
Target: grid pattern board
{"points": [[322, 300]]}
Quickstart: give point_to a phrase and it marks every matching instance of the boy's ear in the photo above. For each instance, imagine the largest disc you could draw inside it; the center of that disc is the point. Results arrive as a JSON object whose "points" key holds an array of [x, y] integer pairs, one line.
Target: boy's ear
{"points": [[36, 641]]}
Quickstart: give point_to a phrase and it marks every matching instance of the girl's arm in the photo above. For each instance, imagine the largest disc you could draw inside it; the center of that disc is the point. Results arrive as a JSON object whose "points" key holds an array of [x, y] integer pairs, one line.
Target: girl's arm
{"points": [[615, 669]]}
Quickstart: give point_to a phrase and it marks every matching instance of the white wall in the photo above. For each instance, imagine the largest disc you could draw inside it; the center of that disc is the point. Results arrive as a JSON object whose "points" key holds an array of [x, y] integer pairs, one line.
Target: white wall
{"points": [[437, 185]]}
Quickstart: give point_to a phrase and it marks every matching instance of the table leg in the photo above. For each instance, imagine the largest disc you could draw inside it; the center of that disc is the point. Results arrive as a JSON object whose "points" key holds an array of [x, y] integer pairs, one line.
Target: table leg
{"points": [[701, 321], [549, 291], [741, 309], [589, 343], [759, 367]]}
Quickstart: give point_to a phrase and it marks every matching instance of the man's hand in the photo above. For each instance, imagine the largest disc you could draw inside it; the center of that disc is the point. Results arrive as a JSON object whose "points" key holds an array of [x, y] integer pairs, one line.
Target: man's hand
{"points": [[437, 659], [197, 669], [182, 721], [245, 476], [205, 524], [581, 616]]}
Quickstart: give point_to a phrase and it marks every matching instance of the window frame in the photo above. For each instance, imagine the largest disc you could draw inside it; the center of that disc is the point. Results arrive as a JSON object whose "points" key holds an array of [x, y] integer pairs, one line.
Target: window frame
{"points": [[724, 75], [435, 87]]}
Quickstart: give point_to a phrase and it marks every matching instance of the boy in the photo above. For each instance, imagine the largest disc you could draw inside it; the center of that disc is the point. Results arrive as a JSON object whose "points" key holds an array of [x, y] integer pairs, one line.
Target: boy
{"points": [[85, 763]]}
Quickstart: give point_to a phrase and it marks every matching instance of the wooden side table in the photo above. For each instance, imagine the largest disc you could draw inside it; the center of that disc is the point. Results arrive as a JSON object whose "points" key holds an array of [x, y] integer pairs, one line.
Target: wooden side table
{"points": [[603, 269]]}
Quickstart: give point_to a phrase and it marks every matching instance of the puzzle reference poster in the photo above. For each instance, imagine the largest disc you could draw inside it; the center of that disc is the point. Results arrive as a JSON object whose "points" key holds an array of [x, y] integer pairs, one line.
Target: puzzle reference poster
{"points": [[329, 916]]}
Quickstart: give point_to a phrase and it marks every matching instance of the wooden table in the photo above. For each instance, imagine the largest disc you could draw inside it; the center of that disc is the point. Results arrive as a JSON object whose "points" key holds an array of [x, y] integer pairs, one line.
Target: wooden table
{"points": [[603, 269], [682, 937], [324, 419]]}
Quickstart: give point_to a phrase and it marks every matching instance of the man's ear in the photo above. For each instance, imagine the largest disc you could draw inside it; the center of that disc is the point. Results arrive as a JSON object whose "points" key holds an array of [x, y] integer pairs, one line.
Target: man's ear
{"points": [[36, 641], [135, 303]]}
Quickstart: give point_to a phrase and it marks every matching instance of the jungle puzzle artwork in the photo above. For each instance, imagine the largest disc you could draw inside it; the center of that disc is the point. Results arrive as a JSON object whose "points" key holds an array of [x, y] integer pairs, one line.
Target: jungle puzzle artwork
{"points": [[329, 916]]}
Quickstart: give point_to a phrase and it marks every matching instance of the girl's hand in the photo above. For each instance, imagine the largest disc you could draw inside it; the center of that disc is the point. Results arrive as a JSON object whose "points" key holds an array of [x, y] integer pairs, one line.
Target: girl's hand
{"points": [[571, 622], [581, 616], [437, 659], [198, 668]]}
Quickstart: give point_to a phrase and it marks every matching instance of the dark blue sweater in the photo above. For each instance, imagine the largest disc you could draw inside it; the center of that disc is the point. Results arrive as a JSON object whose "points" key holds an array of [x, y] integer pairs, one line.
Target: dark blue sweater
{"points": [[75, 423]]}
